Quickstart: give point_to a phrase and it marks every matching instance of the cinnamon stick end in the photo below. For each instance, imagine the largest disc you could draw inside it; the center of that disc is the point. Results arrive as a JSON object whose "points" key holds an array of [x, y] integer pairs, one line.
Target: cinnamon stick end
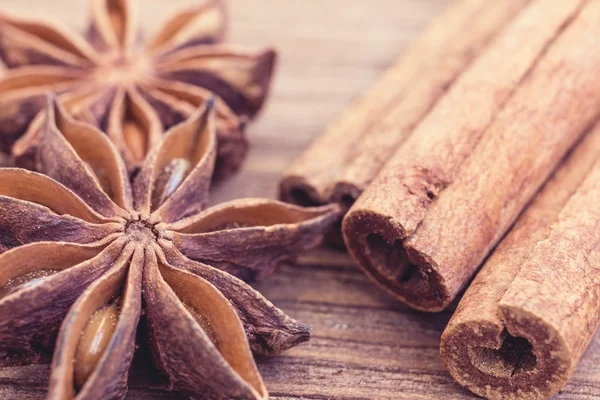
{"points": [[295, 189], [522, 357], [376, 243]]}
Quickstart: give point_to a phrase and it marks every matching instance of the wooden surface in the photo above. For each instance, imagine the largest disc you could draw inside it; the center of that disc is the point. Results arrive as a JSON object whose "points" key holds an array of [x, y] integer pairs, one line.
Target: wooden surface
{"points": [[365, 344]]}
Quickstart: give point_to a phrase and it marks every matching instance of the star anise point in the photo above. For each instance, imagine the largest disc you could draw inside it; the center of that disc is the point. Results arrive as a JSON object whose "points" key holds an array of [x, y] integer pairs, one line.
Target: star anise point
{"points": [[83, 244], [134, 92]]}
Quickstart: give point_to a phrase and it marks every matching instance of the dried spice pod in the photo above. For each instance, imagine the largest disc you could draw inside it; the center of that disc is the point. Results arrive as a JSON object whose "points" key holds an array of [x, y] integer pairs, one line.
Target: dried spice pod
{"points": [[341, 163], [234, 369], [526, 319], [84, 245], [450, 193], [225, 234], [132, 91]]}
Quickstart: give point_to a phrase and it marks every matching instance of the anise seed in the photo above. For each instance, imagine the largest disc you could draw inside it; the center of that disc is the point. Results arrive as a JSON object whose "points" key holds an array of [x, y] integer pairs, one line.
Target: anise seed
{"points": [[95, 337], [169, 179], [24, 281]]}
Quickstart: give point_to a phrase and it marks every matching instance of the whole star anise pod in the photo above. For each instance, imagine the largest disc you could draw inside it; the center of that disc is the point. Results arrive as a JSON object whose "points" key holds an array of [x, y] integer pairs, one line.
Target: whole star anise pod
{"points": [[133, 92], [82, 244]]}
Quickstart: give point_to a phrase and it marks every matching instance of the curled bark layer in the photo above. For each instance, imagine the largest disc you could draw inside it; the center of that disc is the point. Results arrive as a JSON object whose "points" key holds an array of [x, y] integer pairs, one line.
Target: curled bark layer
{"points": [[356, 146], [449, 194], [526, 319]]}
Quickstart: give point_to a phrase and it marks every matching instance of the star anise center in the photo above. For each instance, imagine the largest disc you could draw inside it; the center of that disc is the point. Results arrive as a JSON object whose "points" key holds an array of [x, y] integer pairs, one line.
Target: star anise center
{"points": [[142, 231], [123, 70]]}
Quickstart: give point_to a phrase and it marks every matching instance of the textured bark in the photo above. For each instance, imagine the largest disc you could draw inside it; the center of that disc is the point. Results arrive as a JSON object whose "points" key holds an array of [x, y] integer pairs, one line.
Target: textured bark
{"points": [[526, 319], [423, 236], [364, 343], [343, 161]]}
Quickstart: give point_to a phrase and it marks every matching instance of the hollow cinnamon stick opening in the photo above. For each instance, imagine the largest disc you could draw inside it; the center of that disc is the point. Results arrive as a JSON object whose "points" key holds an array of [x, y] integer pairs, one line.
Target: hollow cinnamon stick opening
{"points": [[526, 319], [454, 188], [378, 248], [341, 163]]}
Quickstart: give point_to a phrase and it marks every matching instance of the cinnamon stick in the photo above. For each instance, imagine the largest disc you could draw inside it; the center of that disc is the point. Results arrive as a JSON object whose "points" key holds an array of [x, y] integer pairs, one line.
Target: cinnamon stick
{"points": [[526, 319], [340, 164], [450, 193]]}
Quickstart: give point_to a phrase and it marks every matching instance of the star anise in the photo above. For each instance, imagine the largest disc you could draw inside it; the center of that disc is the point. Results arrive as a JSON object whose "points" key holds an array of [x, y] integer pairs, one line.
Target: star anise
{"points": [[84, 245], [133, 92]]}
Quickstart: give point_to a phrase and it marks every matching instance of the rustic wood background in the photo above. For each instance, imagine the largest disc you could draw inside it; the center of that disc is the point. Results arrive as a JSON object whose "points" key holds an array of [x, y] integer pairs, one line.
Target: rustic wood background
{"points": [[365, 344]]}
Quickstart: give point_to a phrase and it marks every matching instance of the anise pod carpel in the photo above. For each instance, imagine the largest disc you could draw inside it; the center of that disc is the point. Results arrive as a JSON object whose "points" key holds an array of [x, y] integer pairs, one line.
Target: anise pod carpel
{"points": [[82, 244], [131, 90]]}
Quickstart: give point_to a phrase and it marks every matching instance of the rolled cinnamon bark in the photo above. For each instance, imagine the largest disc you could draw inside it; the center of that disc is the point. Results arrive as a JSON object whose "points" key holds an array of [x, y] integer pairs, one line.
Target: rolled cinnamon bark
{"points": [[339, 165], [453, 189], [526, 319]]}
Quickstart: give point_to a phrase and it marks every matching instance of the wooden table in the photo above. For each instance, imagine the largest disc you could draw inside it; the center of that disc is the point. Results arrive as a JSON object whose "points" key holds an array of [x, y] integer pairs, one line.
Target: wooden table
{"points": [[365, 345]]}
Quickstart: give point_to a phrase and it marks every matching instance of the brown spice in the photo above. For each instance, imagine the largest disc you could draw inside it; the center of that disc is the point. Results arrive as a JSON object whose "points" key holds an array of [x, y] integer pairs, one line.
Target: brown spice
{"points": [[526, 319], [72, 244], [343, 161], [445, 199], [132, 92]]}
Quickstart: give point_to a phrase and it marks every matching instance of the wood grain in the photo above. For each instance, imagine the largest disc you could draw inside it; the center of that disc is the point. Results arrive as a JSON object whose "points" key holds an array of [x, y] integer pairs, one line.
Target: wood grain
{"points": [[365, 344]]}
